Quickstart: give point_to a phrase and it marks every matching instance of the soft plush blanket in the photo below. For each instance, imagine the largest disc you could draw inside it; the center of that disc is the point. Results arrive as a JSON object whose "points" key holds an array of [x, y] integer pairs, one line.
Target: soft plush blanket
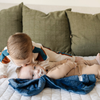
{"points": [[80, 85]]}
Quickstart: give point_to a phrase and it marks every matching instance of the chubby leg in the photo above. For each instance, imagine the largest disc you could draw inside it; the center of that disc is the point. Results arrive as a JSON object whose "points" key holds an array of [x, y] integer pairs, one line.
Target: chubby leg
{"points": [[60, 71], [94, 69], [90, 62]]}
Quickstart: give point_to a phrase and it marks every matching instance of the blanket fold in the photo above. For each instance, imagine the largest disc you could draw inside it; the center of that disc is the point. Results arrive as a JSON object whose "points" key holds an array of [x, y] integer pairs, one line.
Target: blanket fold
{"points": [[73, 84]]}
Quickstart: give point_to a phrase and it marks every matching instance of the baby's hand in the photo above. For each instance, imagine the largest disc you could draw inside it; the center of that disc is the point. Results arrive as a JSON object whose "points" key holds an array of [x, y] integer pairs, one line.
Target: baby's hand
{"points": [[3, 76], [64, 61], [70, 64], [78, 59], [98, 58]]}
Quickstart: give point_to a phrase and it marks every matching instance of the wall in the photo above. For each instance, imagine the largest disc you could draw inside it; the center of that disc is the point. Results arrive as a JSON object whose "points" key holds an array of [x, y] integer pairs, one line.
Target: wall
{"points": [[83, 3]]}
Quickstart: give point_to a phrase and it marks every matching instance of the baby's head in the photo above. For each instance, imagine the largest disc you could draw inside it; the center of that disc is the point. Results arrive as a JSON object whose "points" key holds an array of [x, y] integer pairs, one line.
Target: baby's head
{"points": [[31, 71], [19, 48]]}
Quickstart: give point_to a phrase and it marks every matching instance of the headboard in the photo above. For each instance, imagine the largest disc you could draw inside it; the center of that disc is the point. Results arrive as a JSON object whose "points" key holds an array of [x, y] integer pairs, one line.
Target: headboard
{"points": [[49, 8]]}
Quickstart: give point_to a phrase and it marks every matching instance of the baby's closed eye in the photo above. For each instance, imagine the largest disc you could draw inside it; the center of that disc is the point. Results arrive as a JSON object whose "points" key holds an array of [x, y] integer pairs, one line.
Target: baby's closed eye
{"points": [[32, 75], [34, 67]]}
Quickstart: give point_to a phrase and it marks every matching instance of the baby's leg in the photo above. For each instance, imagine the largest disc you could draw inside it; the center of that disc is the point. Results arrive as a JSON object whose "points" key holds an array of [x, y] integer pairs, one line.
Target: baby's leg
{"points": [[90, 62], [61, 70], [94, 69]]}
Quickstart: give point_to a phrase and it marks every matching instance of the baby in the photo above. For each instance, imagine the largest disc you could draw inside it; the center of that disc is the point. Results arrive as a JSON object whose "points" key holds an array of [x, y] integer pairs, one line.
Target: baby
{"points": [[32, 71], [22, 51], [61, 69]]}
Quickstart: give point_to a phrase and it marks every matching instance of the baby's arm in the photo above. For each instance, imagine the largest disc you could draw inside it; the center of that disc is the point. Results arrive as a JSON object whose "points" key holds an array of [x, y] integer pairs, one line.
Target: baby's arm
{"points": [[53, 56], [77, 59], [60, 71], [59, 63], [3, 76]]}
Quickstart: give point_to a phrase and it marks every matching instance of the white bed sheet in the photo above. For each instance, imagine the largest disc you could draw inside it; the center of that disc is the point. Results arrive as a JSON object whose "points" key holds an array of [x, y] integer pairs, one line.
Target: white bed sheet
{"points": [[8, 93]]}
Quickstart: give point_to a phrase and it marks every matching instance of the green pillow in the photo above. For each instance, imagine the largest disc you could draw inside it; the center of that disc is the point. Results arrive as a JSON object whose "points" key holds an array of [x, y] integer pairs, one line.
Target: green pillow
{"points": [[51, 30], [85, 30], [10, 22]]}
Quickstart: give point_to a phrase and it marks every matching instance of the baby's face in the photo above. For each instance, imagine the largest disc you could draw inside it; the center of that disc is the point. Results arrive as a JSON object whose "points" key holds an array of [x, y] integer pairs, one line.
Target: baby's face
{"points": [[31, 71]]}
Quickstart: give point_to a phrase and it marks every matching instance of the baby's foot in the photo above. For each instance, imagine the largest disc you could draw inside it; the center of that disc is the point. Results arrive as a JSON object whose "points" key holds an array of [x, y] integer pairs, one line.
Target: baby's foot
{"points": [[98, 58]]}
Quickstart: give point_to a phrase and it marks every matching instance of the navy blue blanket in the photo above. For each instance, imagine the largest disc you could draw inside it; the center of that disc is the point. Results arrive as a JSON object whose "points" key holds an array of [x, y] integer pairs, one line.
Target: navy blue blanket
{"points": [[28, 87]]}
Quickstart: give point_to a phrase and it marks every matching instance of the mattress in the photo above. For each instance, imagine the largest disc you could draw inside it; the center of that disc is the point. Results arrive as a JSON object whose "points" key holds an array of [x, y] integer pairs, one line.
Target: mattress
{"points": [[8, 93]]}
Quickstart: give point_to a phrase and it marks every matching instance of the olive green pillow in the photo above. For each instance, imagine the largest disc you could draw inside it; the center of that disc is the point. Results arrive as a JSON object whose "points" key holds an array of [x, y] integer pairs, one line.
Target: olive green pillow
{"points": [[51, 30], [10, 22], [85, 30]]}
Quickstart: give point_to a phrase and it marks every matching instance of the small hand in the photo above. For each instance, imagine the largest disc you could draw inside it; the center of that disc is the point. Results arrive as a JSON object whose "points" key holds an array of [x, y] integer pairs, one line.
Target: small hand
{"points": [[3, 76], [71, 64], [78, 59], [64, 61]]}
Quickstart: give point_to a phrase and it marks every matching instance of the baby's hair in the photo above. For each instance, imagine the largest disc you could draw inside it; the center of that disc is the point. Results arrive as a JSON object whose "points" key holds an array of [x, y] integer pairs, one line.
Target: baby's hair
{"points": [[19, 45]]}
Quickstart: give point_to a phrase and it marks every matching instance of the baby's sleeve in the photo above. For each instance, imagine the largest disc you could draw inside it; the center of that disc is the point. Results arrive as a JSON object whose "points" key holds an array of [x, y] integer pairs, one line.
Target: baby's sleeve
{"points": [[44, 63], [53, 56]]}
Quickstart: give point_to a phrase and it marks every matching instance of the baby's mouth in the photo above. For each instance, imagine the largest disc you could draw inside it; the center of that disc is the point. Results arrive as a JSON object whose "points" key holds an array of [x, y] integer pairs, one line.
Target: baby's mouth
{"points": [[42, 72]]}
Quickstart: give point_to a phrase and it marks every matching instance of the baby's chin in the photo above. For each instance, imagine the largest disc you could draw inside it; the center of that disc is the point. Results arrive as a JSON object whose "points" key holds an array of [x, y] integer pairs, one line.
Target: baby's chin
{"points": [[36, 77]]}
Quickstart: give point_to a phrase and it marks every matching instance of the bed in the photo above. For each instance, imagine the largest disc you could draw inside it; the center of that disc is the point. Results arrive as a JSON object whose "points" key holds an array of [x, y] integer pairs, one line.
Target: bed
{"points": [[8, 93]]}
